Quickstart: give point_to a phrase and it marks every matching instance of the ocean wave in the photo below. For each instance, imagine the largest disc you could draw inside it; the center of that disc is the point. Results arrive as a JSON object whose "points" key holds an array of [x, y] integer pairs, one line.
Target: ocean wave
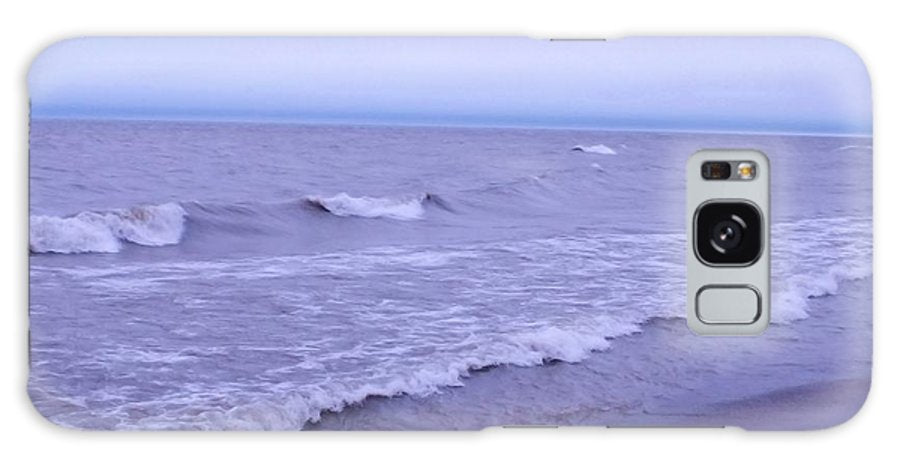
{"points": [[853, 147], [523, 349], [811, 258], [556, 344], [530, 348], [599, 149], [403, 209], [793, 303], [105, 232], [165, 224]]}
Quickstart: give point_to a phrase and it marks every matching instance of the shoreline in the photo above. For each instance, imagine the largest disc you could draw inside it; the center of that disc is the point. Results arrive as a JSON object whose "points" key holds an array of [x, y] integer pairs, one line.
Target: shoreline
{"points": [[777, 381]]}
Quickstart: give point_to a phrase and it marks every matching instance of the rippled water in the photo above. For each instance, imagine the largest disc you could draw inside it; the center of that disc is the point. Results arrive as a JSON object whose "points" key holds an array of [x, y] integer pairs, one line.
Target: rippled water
{"points": [[194, 275]]}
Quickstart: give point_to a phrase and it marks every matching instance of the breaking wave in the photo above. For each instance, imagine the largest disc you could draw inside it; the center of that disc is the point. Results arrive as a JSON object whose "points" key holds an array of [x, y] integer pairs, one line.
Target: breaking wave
{"points": [[165, 224], [811, 258], [524, 349], [106, 232], [404, 209]]}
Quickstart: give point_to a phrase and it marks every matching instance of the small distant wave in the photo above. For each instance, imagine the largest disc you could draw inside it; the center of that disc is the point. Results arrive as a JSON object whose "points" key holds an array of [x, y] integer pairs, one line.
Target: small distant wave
{"points": [[853, 147], [598, 149], [105, 232], [344, 205]]}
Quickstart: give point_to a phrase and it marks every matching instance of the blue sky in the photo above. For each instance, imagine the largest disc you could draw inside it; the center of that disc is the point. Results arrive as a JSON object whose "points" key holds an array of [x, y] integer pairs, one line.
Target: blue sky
{"points": [[736, 84]]}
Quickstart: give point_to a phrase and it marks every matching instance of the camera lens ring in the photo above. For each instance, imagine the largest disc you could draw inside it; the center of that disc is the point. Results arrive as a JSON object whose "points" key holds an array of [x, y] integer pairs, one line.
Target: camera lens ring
{"points": [[743, 243]]}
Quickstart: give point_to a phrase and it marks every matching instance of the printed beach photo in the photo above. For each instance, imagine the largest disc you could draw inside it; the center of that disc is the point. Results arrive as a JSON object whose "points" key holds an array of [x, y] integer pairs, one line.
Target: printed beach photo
{"points": [[434, 234]]}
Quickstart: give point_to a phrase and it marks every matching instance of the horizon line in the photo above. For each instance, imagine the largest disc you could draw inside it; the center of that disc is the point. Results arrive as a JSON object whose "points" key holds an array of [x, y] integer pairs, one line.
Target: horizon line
{"points": [[425, 124]]}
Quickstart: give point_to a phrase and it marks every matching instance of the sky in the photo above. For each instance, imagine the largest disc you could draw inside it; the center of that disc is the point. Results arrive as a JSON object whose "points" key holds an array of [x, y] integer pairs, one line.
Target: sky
{"points": [[803, 85]]}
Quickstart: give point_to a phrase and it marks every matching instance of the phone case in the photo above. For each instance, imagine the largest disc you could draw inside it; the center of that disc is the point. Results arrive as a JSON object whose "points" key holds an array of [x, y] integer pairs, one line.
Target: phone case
{"points": [[435, 233]]}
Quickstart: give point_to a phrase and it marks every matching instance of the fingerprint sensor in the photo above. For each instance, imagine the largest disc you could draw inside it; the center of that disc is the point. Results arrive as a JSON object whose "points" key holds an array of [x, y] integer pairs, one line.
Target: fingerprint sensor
{"points": [[728, 304]]}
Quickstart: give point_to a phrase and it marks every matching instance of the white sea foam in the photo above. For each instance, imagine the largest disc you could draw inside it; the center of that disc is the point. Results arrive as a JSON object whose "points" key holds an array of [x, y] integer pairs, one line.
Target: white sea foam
{"points": [[811, 258], [105, 232], [345, 205], [630, 280], [295, 409], [556, 344], [598, 149], [791, 301]]}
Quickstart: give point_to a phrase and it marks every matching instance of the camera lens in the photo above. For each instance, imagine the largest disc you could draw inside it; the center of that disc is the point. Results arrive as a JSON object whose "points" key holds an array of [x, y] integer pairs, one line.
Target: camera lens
{"points": [[728, 233]]}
